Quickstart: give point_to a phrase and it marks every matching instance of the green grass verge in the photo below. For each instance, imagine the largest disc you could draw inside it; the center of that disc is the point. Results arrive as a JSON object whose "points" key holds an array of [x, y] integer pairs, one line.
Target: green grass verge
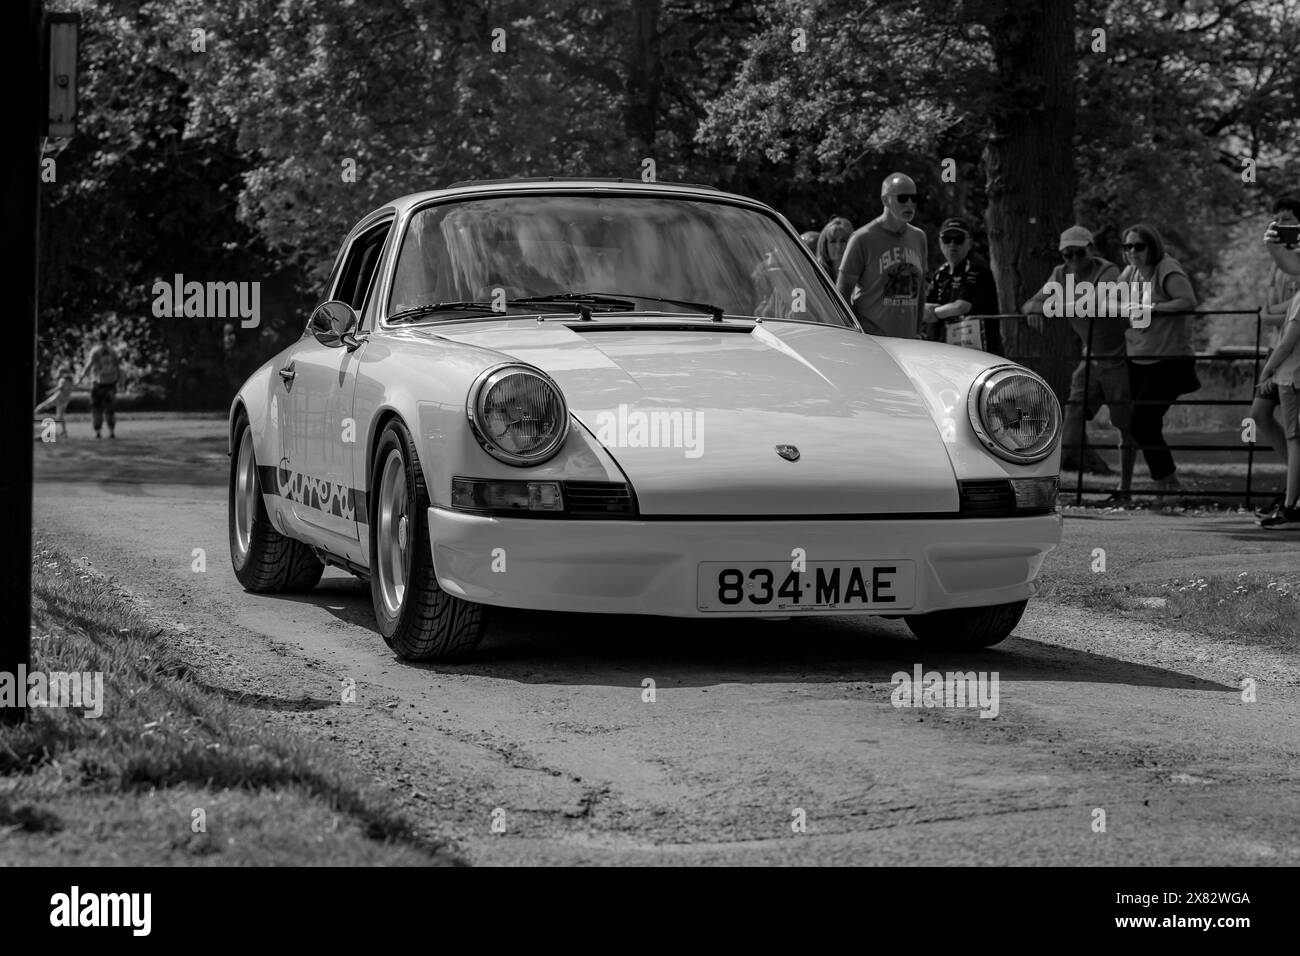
{"points": [[125, 788], [1248, 606]]}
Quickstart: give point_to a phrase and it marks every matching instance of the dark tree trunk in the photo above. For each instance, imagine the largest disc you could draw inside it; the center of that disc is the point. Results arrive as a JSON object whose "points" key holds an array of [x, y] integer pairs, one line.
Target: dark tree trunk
{"points": [[20, 169], [1029, 163], [645, 77]]}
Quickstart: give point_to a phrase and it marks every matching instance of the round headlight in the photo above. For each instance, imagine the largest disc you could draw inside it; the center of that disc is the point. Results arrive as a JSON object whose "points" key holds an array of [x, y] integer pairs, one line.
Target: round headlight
{"points": [[1015, 414], [518, 414]]}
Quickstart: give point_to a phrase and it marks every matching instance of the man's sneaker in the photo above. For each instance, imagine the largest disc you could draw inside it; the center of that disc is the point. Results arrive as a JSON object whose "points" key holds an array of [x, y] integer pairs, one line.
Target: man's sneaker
{"points": [[98, 435], [1283, 518], [1273, 506]]}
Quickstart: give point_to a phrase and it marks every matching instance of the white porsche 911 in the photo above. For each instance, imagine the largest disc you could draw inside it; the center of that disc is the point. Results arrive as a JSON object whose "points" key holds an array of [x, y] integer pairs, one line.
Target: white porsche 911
{"points": [[628, 398]]}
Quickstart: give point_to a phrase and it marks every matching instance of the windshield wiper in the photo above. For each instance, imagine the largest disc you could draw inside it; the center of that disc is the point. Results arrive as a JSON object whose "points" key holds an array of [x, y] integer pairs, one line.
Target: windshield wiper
{"points": [[616, 298], [582, 298], [419, 310]]}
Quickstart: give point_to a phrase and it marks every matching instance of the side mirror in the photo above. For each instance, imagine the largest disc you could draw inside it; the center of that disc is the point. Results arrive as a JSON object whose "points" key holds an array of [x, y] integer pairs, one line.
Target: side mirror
{"points": [[333, 323]]}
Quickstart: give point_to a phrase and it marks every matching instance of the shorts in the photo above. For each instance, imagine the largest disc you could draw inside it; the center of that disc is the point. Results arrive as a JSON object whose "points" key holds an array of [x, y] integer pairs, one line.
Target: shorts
{"points": [[101, 405], [1288, 397], [1108, 385], [1268, 399]]}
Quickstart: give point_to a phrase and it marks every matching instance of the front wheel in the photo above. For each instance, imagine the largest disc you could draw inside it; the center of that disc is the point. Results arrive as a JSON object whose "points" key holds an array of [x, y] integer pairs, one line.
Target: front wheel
{"points": [[418, 619], [967, 627]]}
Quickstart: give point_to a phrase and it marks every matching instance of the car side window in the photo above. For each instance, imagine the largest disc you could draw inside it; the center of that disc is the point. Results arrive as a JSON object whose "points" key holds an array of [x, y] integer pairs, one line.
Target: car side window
{"points": [[359, 269]]}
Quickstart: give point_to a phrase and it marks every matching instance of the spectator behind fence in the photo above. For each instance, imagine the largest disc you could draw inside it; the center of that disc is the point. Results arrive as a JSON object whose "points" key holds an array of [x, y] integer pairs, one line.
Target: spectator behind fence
{"points": [[883, 270], [962, 286], [831, 242], [1161, 361], [1288, 260], [1107, 379], [1283, 370], [1281, 288]]}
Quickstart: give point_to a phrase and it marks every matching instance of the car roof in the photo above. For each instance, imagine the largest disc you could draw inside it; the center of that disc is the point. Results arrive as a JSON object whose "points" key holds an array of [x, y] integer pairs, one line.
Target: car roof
{"points": [[542, 184]]}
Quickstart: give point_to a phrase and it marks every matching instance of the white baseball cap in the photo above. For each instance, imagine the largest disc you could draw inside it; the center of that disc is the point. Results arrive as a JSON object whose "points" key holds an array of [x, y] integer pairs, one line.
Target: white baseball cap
{"points": [[1075, 236]]}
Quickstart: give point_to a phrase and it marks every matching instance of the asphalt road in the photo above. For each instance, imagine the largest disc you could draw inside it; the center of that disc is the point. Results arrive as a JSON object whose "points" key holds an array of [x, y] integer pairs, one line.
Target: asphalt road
{"points": [[547, 732]]}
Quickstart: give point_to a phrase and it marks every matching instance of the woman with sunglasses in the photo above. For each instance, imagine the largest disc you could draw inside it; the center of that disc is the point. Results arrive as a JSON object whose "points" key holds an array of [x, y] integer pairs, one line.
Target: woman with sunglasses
{"points": [[1161, 361]]}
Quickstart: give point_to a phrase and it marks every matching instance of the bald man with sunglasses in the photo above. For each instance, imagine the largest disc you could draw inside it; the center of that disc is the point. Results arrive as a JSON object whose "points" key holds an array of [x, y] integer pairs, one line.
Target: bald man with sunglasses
{"points": [[885, 264]]}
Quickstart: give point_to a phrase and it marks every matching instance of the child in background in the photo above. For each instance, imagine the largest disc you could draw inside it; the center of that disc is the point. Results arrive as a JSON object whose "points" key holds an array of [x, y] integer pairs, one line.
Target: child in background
{"points": [[59, 398], [1283, 370]]}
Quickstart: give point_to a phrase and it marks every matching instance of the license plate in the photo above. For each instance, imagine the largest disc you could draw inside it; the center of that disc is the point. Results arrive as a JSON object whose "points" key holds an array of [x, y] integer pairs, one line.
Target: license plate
{"points": [[822, 585]]}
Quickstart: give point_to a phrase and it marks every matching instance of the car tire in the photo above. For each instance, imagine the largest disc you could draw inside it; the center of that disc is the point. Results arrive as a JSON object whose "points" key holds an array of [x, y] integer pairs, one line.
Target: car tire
{"points": [[417, 618], [967, 627], [265, 561]]}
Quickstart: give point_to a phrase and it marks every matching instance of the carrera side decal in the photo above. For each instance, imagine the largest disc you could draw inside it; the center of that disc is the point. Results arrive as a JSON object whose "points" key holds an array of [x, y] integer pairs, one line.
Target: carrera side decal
{"points": [[316, 493]]}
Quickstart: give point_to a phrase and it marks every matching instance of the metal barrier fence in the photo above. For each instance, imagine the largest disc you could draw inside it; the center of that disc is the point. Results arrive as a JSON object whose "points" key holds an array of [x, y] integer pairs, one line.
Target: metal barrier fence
{"points": [[1088, 359]]}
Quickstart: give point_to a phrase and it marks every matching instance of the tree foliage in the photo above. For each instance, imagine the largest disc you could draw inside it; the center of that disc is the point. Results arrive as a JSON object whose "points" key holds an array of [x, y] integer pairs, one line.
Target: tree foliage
{"points": [[249, 158]]}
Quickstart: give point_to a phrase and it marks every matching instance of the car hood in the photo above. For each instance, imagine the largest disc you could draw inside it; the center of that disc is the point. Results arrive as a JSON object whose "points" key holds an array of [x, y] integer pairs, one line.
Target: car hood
{"points": [[694, 414]]}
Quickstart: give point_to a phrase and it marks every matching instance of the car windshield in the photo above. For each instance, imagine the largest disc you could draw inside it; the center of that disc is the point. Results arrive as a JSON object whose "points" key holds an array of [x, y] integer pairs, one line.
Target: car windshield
{"points": [[663, 254]]}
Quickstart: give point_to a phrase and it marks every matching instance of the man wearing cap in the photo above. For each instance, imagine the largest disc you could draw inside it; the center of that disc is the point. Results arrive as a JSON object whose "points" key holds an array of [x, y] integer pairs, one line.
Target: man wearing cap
{"points": [[962, 286], [883, 270], [1108, 378]]}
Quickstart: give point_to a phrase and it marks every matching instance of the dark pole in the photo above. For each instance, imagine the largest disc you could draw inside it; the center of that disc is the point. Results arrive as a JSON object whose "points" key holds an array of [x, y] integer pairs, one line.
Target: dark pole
{"points": [[1254, 382], [23, 46], [1083, 433]]}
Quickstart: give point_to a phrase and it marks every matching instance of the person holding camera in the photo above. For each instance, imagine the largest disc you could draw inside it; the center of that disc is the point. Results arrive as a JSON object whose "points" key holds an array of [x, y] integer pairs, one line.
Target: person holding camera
{"points": [[1279, 292], [1282, 372]]}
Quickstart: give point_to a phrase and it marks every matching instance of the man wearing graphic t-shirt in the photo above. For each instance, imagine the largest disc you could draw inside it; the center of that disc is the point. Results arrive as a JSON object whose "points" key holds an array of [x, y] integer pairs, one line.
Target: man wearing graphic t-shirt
{"points": [[885, 263]]}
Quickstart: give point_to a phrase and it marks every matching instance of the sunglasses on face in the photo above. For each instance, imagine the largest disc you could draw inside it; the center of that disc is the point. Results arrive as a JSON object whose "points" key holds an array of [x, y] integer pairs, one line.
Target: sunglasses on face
{"points": [[1074, 252], [954, 239], [1135, 247], [913, 198]]}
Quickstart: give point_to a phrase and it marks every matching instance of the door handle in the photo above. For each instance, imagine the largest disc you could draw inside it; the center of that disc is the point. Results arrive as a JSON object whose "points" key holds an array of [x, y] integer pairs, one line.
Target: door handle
{"points": [[287, 373]]}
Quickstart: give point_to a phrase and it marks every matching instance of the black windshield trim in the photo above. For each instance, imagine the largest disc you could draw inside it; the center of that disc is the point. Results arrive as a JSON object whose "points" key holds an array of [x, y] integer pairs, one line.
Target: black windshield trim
{"points": [[613, 191]]}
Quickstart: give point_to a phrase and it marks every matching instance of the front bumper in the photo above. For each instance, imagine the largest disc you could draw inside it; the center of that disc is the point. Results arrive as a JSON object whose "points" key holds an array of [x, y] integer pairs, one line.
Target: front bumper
{"points": [[650, 567]]}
